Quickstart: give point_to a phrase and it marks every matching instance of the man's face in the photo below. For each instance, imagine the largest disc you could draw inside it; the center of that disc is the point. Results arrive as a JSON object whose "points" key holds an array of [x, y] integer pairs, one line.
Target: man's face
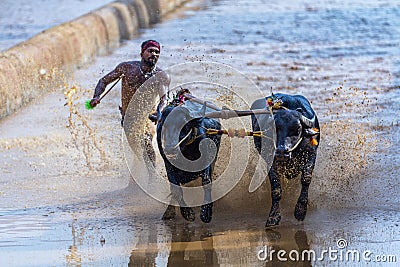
{"points": [[151, 55]]}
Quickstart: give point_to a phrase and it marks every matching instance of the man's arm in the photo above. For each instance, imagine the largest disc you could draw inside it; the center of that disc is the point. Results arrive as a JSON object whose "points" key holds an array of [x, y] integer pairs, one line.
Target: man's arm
{"points": [[103, 82]]}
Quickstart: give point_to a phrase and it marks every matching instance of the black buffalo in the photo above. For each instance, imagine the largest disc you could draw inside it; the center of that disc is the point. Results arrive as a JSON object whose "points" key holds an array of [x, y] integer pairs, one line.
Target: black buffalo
{"points": [[174, 141], [297, 139]]}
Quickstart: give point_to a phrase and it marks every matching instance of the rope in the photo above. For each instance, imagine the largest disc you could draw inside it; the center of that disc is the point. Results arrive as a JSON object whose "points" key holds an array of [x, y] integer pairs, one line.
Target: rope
{"points": [[235, 133], [230, 132], [183, 139], [296, 145]]}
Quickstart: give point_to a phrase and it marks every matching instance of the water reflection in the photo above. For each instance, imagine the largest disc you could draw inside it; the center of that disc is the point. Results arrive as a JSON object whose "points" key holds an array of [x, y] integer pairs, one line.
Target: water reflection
{"points": [[285, 247], [175, 244], [182, 244], [73, 258], [191, 247], [302, 243]]}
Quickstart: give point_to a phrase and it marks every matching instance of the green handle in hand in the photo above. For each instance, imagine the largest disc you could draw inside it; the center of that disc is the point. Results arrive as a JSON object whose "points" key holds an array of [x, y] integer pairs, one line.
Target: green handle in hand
{"points": [[87, 103]]}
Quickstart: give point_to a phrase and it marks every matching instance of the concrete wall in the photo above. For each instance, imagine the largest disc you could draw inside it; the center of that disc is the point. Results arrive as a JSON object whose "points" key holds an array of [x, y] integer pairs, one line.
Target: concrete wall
{"points": [[41, 63]]}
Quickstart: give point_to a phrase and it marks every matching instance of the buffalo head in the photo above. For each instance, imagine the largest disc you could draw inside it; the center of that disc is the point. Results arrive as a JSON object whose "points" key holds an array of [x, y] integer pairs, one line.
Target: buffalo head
{"points": [[181, 128], [291, 129]]}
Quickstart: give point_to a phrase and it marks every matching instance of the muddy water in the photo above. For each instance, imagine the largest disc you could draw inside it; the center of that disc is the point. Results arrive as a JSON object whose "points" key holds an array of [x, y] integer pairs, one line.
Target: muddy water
{"points": [[67, 197]]}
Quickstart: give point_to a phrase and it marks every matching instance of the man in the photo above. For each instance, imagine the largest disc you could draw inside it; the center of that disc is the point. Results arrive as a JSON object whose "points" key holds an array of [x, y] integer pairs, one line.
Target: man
{"points": [[134, 74]]}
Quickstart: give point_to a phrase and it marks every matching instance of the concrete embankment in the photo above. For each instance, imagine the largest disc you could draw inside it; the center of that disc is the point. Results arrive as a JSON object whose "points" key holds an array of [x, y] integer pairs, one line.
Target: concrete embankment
{"points": [[43, 62]]}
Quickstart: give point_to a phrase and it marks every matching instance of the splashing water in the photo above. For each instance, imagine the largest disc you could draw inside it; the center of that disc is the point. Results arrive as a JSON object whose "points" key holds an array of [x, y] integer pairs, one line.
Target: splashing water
{"points": [[83, 135]]}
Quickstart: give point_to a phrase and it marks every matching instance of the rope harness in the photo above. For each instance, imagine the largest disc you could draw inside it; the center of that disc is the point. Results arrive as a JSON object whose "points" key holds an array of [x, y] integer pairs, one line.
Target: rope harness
{"points": [[273, 104], [241, 133]]}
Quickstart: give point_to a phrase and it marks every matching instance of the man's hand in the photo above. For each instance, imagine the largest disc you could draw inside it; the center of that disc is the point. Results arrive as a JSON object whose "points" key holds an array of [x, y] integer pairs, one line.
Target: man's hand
{"points": [[94, 102]]}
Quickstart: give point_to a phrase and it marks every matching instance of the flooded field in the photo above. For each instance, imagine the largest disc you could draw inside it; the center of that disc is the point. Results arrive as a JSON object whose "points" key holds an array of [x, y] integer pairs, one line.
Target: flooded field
{"points": [[68, 198]]}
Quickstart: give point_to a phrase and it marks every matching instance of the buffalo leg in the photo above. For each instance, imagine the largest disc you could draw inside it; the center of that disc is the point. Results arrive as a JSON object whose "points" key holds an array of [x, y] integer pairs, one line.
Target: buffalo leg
{"points": [[169, 213], [301, 206], [276, 193], [177, 197], [188, 214], [206, 209]]}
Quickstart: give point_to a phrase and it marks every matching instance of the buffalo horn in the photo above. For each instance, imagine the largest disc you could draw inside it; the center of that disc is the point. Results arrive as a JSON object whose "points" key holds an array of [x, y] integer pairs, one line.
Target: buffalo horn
{"points": [[308, 122]]}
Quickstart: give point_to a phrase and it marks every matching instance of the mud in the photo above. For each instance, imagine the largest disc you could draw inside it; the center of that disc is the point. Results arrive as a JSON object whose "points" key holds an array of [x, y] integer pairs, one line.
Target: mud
{"points": [[67, 197]]}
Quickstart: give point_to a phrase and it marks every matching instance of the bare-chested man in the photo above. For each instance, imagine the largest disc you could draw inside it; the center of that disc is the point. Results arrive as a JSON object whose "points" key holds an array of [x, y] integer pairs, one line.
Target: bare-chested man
{"points": [[134, 74]]}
